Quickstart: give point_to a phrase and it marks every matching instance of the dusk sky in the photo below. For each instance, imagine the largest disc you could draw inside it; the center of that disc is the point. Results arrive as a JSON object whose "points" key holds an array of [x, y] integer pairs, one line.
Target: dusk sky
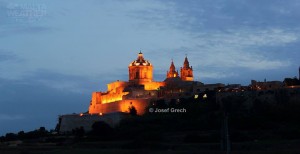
{"points": [[54, 54]]}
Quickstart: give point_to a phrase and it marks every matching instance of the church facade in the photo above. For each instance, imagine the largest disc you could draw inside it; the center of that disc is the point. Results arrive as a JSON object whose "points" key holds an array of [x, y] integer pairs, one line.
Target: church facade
{"points": [[141, 90]]}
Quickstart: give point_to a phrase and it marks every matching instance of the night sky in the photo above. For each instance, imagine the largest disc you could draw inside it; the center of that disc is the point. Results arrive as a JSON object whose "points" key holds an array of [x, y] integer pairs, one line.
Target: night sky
{"points": [[54, 54]]}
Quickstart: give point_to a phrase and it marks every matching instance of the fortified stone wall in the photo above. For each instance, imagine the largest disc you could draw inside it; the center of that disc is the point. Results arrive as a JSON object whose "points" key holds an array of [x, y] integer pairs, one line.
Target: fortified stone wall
{"points": [[73, 121], [121, 106]]}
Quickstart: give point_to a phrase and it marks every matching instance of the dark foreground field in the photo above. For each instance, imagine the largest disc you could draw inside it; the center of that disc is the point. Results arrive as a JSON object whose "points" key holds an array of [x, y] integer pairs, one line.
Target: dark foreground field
{"points": [[115, 147]]}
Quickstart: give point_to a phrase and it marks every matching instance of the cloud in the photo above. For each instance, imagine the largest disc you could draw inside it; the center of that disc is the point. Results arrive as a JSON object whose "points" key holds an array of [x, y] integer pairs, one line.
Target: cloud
{"points": [[78, 84], [6, 117], [240, 59], [246, 48], [7, 31], [245, 37], [219, 14], [7, 56], [27, 104], [212, 34], [215, 75], [242, 48]]}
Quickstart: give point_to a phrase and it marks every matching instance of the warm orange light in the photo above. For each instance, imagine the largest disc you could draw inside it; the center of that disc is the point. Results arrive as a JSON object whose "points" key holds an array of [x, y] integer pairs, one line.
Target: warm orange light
{"points": [[153, 85], [122, 94], [81, 114]]}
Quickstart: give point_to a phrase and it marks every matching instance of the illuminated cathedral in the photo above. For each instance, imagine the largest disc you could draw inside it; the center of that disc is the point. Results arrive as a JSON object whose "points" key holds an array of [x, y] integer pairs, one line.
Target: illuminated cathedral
{"points": [[141, 90]]}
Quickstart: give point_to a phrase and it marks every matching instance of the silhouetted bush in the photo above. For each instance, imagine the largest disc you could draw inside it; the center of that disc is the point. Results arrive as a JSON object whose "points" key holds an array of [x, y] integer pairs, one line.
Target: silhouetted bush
{"points": [[11, 136], [132, 110], [102, 130]]}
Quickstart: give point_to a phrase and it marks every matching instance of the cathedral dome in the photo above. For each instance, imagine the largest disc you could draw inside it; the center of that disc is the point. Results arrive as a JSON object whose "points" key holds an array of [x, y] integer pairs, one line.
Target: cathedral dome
{"points": [[140, 61], [140, 70]]}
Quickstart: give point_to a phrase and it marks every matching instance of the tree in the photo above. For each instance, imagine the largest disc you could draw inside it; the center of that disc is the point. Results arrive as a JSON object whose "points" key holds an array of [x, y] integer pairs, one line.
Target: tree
{"points": [[291, 81], [21, 134], [101, 130], [11, 137]]}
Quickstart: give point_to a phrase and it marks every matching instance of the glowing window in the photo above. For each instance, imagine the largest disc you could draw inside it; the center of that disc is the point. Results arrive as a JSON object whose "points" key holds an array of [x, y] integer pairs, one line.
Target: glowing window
{"points": [[196, 96]]}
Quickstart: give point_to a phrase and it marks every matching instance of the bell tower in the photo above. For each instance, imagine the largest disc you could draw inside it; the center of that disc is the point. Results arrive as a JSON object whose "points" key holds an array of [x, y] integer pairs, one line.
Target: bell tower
{"points": [[140, 70], [172, 73], [186, 72]]}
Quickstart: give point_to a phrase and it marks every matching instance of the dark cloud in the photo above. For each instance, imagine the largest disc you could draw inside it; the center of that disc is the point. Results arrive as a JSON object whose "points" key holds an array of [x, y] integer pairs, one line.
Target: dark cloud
{"points": [[28, 104], [221, 15], [229, 33], [32, 29], [7, 56], [25, 29]]}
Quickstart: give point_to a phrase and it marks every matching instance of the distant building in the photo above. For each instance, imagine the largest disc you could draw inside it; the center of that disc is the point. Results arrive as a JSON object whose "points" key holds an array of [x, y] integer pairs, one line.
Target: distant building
{"points": [[292, 82], [233, 87], [266, 85], [209, 87]]}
